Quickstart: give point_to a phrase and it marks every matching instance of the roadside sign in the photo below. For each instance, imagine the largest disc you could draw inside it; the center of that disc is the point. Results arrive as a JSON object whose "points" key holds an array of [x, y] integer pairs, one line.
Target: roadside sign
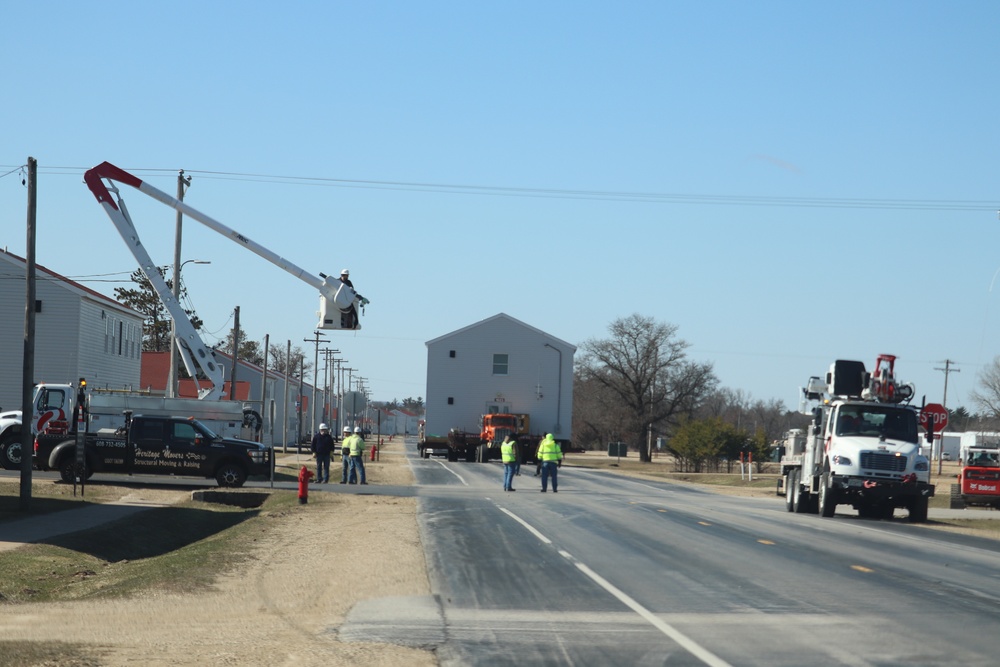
{"points": [[354, 402], [934, 417]]}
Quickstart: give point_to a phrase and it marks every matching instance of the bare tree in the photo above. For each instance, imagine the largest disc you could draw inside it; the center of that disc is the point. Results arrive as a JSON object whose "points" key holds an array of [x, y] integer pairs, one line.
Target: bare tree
{"points": [[597, 413], [987, 396], [643, 369], [279, 364]]}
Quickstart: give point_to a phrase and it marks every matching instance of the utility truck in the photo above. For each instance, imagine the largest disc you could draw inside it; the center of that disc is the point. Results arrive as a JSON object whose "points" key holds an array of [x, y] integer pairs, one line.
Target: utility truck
{"points": [[339, 304], [53, 405], [862, 448], [340, 307], [146, 444]]}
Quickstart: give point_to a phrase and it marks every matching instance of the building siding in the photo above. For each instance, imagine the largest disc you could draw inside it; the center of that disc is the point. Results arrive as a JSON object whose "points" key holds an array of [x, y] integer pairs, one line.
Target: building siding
{"points": [[69, 333]]}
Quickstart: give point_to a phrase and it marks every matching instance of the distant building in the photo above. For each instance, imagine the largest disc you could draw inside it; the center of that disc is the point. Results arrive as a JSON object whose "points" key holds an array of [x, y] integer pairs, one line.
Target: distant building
{"points": [[78, 333], [499, 365], [155, 366]]}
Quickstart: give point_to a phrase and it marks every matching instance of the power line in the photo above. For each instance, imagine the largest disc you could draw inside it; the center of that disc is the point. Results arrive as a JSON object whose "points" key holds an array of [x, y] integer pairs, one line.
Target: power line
{"points": [[579, 194]]}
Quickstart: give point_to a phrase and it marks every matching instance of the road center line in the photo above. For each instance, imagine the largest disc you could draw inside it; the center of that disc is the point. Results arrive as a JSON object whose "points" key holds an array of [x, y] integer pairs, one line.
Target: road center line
{"points": [[673, 633]]}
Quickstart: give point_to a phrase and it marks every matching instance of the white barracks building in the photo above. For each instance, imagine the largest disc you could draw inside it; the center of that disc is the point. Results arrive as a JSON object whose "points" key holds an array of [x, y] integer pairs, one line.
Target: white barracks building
{"points": [[499, 365]]}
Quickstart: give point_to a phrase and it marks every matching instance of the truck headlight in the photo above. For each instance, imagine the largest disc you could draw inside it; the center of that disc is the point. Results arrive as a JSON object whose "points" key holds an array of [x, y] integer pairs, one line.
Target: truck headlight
{"points": [[840, 460]]}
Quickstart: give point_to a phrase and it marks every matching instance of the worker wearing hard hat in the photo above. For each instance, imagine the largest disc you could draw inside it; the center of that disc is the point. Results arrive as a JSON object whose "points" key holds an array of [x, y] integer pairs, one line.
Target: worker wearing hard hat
{"points": [[345, 457], [345, 278], [550, 454], [322, 447], [358, 455]]}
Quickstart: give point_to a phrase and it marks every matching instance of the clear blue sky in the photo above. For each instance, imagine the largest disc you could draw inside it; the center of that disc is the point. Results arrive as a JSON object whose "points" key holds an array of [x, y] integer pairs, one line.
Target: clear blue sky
{"points": [[787, 182]]}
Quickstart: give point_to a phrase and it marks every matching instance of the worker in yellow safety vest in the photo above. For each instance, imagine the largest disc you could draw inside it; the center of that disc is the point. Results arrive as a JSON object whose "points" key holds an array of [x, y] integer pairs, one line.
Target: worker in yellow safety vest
{"points": [[550, 454], [358, 455], [508, 454], [345, 458]]}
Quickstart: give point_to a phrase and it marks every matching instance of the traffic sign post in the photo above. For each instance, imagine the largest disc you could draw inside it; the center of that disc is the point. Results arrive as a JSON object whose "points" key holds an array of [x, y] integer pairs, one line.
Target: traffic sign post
{"points": [[934, 417]]}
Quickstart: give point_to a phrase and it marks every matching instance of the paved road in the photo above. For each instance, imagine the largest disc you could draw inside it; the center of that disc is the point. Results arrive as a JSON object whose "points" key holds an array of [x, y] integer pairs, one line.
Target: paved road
{"points": [[615, 570], [621, 571]]}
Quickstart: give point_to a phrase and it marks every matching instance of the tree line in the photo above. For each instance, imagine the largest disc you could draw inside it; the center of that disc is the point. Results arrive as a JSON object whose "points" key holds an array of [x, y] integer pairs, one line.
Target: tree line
{"points": [[638, 386]]}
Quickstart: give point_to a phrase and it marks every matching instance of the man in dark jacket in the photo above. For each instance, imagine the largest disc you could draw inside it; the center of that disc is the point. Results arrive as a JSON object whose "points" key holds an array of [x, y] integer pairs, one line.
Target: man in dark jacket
{"points": [[322, 446]]}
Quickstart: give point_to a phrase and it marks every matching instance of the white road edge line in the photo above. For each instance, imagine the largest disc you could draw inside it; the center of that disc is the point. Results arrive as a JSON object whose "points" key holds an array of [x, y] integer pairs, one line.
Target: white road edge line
{"points": [[531, 529], [683, 640], [460, 478]]}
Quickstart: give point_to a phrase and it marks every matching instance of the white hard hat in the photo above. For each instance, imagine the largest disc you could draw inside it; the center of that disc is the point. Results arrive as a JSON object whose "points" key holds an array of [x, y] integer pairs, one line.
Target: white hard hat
{"points": [[347, 429], [357, 429], [324, 427], [345, 272]]}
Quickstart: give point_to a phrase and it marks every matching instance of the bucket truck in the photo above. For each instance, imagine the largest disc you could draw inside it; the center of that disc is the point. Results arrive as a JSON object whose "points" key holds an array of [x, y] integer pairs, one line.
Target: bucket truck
{"points": [[339, 303], [862, 449]]}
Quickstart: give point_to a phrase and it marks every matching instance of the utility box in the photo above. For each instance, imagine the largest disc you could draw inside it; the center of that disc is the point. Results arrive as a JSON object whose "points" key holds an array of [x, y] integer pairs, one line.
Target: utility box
{"points": [[617, 449]]}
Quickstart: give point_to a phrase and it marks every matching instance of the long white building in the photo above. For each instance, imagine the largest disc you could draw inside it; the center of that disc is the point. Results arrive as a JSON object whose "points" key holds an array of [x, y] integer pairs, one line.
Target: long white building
{"points": [[78, 333]]}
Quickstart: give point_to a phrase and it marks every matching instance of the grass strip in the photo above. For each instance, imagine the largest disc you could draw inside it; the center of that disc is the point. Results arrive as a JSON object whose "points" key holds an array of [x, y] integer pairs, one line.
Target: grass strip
{"points": [[178, 549]]}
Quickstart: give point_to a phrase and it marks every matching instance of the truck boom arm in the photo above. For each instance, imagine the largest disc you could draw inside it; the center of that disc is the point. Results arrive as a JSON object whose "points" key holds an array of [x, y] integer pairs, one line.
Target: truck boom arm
{"points": [[336, 298]]}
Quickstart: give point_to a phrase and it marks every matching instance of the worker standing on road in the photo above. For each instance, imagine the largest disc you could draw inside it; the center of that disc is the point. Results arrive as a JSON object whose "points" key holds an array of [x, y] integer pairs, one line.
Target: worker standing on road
{"points": [[508, 454], [345, 457], [358, 455], [550, 454], [321, 447]]}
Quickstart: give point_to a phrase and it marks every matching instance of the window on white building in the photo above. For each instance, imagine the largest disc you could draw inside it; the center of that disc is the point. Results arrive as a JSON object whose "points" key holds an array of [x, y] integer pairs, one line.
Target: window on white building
{"points": [[499, 364]]}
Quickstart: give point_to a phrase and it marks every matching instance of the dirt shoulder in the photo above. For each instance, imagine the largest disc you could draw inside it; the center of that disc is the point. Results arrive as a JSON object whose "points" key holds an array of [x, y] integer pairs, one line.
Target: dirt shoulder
{"points": [[282, 607]]}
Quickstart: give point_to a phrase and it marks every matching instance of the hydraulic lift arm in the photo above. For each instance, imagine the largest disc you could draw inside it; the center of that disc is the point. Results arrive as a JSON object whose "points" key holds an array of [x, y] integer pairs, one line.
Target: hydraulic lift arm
{"points": [[339, 304]]}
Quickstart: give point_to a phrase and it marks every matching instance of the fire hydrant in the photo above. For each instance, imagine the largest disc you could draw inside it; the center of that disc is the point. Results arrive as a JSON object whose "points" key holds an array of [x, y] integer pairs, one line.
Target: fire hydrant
{"points": [[305, 475], [371, 457]]}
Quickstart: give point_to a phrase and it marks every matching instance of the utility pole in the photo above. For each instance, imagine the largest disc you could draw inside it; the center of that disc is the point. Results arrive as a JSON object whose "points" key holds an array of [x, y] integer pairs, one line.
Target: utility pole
{"points": [[312, 406], [236, 354], [944, 403], [284, 407], [28, 366], [263, 391], [329, 357], [338, 378], [298, 403], [182, 183]]}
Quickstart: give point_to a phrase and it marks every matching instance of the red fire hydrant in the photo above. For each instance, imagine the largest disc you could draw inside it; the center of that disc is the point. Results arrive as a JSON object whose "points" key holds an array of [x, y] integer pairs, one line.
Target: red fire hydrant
{"points": [[305, 475], [371, 457]]}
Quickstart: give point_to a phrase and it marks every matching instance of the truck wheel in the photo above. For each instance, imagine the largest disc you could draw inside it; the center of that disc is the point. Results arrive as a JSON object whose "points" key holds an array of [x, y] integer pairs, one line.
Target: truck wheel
{"points": [[68, 470], [827, 497], [791, 480], [918, 510], [800, 498], [955, 502], [452, 455], [10, 452], [231, 474]]}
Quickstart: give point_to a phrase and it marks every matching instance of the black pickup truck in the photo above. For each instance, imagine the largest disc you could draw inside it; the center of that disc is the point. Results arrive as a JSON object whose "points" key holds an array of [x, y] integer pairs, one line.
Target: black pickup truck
{"points": [[157, 446]]}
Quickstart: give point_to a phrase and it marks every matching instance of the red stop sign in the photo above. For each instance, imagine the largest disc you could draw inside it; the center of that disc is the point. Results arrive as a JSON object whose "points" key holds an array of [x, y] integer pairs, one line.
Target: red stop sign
{"points": [[934, 417]]}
